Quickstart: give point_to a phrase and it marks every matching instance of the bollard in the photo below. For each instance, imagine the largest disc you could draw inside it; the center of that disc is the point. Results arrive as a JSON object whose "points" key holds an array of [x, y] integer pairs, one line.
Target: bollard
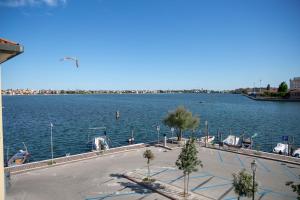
{"points": [[165, 140]]}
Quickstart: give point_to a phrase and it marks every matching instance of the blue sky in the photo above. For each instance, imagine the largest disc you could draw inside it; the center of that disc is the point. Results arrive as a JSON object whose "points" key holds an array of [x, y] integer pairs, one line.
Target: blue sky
{"points": [[151, 44]]}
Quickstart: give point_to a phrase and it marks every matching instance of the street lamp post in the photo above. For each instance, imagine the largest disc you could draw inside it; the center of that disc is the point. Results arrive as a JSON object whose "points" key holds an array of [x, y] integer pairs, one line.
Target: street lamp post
{"points": [[253, 168], [206, 137], [157, 129], [51, 127], [172, 131]]}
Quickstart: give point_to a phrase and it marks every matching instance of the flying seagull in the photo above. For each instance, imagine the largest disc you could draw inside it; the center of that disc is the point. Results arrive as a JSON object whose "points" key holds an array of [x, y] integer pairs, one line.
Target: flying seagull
{"points": [[72, 59]]}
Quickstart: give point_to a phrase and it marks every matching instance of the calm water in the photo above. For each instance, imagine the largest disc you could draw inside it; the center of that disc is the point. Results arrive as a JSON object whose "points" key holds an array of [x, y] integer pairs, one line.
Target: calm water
{"points": [[27, 119]]}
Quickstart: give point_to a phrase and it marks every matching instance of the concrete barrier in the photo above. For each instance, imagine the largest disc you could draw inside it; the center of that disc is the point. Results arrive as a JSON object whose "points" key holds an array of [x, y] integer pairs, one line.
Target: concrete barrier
{"points": [[68, 159]]}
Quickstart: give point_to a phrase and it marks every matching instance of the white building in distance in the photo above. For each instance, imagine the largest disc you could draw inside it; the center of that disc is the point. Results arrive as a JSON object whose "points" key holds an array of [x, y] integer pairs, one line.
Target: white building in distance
{"points": [[295, 83]]}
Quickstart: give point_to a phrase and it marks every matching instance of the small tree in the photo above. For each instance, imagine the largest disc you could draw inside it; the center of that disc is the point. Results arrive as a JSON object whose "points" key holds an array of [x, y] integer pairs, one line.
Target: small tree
{"points": [[295, 188], [188, 162], [149, 156], [181, 119], [268, 87], [283, 87], [243, 184]]}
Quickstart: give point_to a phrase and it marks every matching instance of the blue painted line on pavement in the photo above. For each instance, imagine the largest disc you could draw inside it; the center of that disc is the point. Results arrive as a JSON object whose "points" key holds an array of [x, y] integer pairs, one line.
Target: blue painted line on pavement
{"points": [[283, 194], [200, 176], [220, 157], [241, 162], [203, 183], [159, 172], [213, 186], [263, 165], [172, 181], [220, 177], [290, 173], [231, 198], [101, 197], [204, 174]]}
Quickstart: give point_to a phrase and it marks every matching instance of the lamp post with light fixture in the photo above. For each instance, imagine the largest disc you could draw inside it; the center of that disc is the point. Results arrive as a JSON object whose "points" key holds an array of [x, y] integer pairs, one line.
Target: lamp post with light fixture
{"points": [[172, 131], [157, 129], [253, 168]]}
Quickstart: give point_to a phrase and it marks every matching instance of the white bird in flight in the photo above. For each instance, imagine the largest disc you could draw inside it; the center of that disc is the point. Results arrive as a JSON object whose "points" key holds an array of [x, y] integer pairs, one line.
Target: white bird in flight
{"points": [[72, 59]]}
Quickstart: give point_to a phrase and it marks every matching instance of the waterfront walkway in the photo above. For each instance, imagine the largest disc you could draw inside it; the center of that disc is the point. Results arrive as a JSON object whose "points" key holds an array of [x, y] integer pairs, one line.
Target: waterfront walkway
{"points": [[102, 177]]}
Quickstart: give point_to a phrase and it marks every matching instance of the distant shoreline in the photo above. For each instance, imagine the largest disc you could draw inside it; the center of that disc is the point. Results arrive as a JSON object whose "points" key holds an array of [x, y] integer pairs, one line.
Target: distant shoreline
{"points": [[271, 99], [114, 94]]}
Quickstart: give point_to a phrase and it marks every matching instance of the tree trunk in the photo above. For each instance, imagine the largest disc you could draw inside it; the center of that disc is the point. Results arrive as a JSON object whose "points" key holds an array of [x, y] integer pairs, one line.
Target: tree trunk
{"points": [[184, 185], [239, 197], [187, 184], [180, 135], [148, 169]]}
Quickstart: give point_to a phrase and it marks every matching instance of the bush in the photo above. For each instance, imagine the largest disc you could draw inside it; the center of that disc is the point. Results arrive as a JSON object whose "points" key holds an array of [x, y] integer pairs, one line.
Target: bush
{"points": [[148, 180], [50, 162]]}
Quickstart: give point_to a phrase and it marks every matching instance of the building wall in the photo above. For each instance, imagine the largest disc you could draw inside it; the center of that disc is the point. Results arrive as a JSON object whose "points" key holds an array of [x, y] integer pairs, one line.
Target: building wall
{"points": [[295, 94], [295, 83]]}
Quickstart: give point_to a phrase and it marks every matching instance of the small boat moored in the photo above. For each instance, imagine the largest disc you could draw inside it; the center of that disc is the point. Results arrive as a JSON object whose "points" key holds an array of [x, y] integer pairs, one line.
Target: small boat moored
{"points": [[232, 140], [208, 139], [100, 143], [19, 158], [296, 153], [131, 139], [281, 148]]}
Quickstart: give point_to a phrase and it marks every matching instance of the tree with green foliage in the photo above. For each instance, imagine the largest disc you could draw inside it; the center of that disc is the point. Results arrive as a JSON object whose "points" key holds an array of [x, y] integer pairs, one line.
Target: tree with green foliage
{"points": [[283, 87], [243, 184], [295, 188], [181, 119], [188, 162], [149, 156], [268, 87]]}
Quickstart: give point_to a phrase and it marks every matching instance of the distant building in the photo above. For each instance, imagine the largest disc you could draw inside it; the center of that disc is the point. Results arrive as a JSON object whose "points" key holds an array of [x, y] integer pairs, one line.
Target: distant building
{"points": [[295, 83], [295, 94]]}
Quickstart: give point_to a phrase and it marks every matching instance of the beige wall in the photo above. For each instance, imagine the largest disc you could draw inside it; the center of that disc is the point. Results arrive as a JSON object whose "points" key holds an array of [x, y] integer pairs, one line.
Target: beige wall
{"points": [[2, 189]]}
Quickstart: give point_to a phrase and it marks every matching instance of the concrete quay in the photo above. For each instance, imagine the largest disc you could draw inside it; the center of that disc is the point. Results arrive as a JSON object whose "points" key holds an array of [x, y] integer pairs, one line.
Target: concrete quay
{"points": [[103, 177], [69, 159]]}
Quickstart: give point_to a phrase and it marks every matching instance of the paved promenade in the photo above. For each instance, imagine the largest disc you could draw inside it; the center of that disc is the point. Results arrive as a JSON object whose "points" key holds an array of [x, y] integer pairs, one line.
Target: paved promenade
{"points": [[101, 178]]}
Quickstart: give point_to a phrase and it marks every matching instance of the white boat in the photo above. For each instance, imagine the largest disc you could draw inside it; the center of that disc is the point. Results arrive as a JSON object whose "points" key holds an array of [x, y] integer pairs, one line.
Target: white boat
{"points": [[100, 143], [19, 158], [232, 140], [208, 139], [131, 139], [296, 153], [281, 148]]}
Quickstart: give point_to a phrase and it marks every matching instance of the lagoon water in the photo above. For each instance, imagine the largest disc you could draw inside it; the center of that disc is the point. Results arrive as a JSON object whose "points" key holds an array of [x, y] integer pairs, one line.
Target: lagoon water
{"points": [[27, 119]]}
